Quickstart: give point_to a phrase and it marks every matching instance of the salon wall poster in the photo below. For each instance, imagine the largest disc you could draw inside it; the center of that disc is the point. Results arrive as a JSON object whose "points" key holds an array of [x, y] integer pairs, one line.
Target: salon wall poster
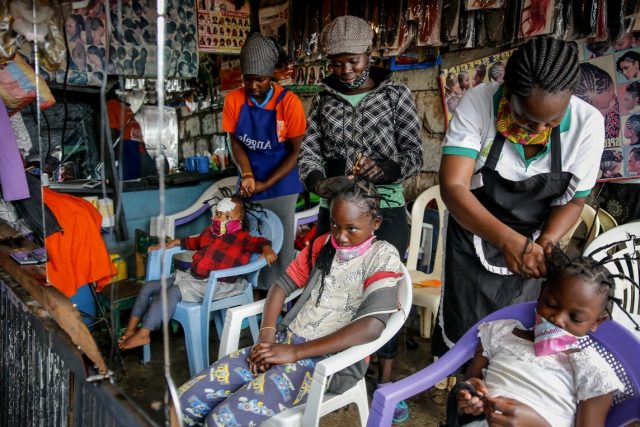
{"points": [[274, 23], [86, 38], [615, 71], [455, 81], [222, 28], [133, 44]]}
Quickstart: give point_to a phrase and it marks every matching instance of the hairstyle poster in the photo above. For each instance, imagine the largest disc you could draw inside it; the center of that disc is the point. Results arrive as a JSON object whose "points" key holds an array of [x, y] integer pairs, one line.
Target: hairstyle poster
{"points": [[86, 38], [610, 81], [455, 81], [133, 46], [222, 28], [273, 23], [307, 76]]}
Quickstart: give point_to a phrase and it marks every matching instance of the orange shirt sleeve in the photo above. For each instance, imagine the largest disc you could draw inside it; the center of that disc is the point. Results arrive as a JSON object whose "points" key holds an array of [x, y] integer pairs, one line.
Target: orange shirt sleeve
{"points": [[294, 115], [231, 109]]}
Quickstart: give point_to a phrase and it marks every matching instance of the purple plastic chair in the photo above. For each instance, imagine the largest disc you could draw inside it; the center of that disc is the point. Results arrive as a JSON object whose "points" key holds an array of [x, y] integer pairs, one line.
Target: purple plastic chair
{"points": [[614, 342]]}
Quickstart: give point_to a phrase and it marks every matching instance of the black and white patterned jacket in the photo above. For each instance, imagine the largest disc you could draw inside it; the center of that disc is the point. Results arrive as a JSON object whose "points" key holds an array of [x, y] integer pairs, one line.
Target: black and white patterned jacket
{"points": [[384, 127]]}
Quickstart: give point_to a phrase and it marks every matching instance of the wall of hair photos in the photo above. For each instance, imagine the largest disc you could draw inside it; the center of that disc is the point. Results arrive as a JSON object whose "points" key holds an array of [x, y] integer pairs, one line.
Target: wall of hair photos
{"points": [[610, 76]]}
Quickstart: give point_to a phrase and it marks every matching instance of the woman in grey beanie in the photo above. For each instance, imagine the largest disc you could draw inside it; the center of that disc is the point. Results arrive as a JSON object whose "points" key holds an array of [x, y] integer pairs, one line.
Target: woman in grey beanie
{"points": [[266, 124], [362, 124]]}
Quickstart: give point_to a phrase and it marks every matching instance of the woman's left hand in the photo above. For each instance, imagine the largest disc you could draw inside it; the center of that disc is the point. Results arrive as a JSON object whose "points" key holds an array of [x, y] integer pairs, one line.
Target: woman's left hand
{"points": [[273, 354], [368, 169], [546, 243]]}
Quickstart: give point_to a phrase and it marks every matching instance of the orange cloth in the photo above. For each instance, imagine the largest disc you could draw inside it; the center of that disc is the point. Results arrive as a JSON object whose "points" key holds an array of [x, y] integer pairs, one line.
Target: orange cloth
{"points": [[291, 118], [121, 116], [77, 254]]}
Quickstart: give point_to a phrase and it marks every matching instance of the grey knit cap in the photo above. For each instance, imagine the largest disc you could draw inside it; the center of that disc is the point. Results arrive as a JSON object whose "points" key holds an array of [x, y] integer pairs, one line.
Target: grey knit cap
{"points": [[258, 56], [346, 34]]}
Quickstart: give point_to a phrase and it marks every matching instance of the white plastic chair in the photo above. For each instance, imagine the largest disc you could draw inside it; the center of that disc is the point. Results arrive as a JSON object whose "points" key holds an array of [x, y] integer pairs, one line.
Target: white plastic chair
{"points": [[195, 317], [319, 402], [427, 298], [192, 212], [592, 223], [623, 253]]}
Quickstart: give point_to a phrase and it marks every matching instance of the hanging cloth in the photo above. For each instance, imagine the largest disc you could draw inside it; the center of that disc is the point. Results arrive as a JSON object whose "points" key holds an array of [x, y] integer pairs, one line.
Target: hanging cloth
{"points": [[12, 178]]}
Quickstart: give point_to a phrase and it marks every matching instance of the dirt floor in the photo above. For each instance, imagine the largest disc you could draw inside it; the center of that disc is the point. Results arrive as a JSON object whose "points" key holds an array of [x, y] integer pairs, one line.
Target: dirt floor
{"points": [[145, 383]]}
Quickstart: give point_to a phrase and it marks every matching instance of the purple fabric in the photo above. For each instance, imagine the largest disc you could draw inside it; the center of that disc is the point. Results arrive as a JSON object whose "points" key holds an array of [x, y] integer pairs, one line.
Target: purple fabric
{"points": [[619, 341], [12, 177]]}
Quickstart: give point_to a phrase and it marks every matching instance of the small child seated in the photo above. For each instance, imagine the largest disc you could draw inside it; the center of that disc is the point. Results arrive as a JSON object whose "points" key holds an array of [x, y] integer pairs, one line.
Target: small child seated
{"points": [[540, 376], [224, 244]]}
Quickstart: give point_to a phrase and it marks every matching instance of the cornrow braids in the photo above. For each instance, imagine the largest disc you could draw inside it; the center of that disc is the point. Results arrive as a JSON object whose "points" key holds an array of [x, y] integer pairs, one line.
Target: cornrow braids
{"points": [[593, 81], [594, 272], [496, 72], [633, 124], [544, 62], [362, 194]]}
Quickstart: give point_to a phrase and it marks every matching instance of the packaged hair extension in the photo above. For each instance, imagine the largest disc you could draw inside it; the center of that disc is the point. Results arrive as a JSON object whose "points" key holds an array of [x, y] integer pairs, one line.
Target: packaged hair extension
{"points": [[585, 16], [481, 31], [429, 24], [494, 25], [615, 18], [536, 18], [312, 29], [631, 8], [297, 29], [511, 27], [467, 29], [451, 20], [602, 33], [394, 16], [406, 34], [559, 28]]}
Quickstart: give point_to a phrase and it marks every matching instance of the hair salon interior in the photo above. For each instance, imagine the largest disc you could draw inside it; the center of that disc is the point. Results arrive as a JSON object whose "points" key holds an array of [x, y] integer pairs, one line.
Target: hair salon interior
{"points": [[120, 128]]}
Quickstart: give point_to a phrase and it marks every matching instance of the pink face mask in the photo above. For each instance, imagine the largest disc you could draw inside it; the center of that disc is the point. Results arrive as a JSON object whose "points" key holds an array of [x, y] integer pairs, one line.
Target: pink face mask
{"points": [[549, 339], [347, 253], [220, 227]]}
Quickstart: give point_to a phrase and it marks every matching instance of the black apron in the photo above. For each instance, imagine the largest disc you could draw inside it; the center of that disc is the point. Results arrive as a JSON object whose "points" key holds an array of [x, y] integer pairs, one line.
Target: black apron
{"points": [[476, 280]]}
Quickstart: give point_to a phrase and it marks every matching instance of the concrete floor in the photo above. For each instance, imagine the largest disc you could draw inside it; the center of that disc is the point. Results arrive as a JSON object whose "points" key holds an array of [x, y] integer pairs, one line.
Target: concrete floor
{"points": [[145, 383]]}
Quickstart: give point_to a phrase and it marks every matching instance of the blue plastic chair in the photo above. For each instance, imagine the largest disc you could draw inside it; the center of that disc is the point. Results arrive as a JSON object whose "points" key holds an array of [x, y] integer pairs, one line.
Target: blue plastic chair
{"points": [[613, 341], [195, 317]]}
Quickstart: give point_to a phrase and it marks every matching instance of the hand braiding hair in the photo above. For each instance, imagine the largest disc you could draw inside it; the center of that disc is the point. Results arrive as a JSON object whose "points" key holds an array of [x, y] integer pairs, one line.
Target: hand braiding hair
{"points": [[545, 62]]}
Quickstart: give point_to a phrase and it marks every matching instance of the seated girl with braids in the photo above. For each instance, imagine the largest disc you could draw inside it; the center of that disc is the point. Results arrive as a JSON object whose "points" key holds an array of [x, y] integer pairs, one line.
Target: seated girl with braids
{"points": [[350, 283], [540, 376], [223, 244]]}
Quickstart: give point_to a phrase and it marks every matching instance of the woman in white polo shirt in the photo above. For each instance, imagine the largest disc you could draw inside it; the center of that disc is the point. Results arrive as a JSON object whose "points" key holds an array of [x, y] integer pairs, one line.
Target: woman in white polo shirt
{"points": [[519, 159]]}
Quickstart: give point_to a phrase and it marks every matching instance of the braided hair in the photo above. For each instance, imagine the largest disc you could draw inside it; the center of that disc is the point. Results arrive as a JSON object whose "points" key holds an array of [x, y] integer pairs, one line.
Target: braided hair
{"points": [[362, 194], [247, 207], [633, 89], [633, 124], [546, 63], [593, 81], [585, 268], [593, 272]]}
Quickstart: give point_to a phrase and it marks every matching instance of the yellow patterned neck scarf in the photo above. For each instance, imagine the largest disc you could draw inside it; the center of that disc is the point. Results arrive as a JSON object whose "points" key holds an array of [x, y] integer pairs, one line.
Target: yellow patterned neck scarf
{"points": [[513, 132]]}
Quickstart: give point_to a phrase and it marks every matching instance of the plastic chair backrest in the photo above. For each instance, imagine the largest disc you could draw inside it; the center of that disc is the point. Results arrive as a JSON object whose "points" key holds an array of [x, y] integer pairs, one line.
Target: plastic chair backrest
{"points": [[591, 222], [614, 342], [417, 218], [623, 253]]}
